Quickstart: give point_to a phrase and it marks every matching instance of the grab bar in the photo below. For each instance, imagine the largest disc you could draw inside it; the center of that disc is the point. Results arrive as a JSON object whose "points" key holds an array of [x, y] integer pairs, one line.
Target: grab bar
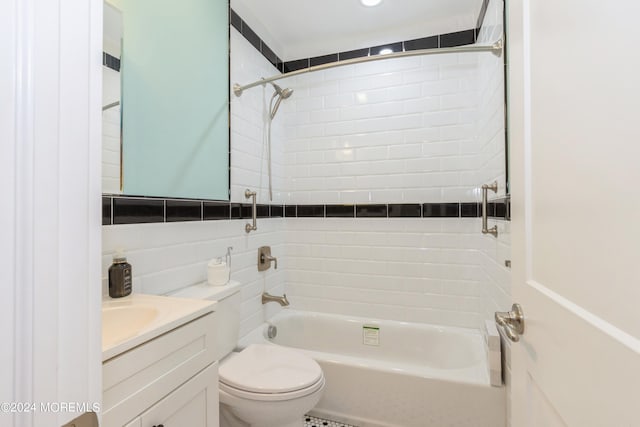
{"points": [[254, 211], [485, 226]]}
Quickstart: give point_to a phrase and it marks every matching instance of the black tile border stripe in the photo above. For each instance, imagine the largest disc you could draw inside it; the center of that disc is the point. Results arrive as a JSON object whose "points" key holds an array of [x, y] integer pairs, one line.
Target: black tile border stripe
{"points": [[111, 61], [183, 210], [119, 210], [256, 41], [458, 38]]}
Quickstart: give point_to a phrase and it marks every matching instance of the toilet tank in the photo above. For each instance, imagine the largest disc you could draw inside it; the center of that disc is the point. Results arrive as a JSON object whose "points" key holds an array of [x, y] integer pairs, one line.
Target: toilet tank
{"points": [[227, 312]]}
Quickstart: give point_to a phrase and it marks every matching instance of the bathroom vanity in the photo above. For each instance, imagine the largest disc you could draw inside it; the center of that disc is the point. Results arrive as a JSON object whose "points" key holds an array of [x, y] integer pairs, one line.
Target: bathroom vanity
{"points": [[159, 363]]}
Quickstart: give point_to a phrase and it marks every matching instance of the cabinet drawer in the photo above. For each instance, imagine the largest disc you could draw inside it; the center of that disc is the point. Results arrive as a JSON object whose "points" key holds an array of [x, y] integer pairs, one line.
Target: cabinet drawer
{"points": [[135, 380], [193, 404]]}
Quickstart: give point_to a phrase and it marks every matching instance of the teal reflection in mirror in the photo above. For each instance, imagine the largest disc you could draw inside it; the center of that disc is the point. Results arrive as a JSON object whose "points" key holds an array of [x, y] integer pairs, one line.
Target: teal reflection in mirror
{"points": [[175, 98]]}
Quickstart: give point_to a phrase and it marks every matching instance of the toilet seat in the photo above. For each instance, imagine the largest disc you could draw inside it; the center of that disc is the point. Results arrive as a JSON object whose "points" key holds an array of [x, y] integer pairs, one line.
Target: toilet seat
{"points": [[268, 372], [269, 397]]}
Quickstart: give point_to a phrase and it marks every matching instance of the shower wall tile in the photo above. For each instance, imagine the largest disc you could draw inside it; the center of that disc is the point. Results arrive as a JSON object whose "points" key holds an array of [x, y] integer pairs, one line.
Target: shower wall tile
{"points": [[401, 131], [386, 132], [248, 131], [417, 270]]}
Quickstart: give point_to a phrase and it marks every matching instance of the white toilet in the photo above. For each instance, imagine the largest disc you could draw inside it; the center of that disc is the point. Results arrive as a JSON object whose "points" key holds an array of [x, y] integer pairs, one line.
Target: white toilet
{"points": [[263, 385]]}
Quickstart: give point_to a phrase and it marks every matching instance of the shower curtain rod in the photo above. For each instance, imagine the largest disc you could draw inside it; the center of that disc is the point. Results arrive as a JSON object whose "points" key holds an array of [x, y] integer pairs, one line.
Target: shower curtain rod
{"points": [[113, 104], [495, 48]]}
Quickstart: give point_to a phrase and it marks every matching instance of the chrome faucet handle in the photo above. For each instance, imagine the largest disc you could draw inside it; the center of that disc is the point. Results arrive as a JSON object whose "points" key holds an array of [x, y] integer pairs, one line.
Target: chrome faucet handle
{"points": [[265, 259], [272, 258]]}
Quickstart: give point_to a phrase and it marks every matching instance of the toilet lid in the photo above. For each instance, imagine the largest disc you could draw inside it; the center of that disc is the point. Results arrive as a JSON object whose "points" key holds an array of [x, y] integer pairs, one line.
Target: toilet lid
{"points": [[264, 368]]}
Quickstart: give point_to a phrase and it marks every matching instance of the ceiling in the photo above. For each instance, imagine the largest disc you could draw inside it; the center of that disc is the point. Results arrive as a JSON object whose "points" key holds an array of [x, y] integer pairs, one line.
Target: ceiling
{"points": [[297, 29]]}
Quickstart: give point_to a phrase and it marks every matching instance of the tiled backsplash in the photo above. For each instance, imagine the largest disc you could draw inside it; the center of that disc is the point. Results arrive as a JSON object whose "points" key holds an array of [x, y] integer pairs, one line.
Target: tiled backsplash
{"points": [[167, 257]]}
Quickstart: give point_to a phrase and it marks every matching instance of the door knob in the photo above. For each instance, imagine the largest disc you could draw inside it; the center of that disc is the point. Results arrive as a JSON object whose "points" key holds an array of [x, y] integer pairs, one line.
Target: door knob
{"points": [[511, 322]]}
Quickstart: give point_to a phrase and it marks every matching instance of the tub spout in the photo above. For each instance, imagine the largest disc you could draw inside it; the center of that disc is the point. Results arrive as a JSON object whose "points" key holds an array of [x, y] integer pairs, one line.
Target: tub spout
{"points": [[267, 297]]}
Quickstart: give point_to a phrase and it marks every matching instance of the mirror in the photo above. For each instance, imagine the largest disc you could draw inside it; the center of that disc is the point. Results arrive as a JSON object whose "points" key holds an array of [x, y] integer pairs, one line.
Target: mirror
{"points": [[166, 98]]}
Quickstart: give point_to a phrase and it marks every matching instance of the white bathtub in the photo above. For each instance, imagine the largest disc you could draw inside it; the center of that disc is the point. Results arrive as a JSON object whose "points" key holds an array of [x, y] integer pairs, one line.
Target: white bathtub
{"points": [[417, 376]]}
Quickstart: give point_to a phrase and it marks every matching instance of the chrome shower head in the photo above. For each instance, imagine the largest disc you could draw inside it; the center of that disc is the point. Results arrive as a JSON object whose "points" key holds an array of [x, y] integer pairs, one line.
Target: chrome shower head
{"points": [[286, 93], [281, 94]]}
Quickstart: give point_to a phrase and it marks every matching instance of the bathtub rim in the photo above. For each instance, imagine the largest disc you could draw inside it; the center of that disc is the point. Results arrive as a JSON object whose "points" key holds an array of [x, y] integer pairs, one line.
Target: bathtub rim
{"points": [[259, 335]]}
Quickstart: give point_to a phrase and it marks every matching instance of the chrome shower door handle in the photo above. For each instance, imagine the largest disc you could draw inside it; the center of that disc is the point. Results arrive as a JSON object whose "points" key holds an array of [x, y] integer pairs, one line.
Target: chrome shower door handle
{"points": [[485, 220], [511, 322], [254, 211]]}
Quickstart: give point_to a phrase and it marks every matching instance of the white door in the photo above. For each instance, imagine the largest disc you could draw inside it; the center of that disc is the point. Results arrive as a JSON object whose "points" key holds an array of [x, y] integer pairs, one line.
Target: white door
{"points": [[575, 173]]}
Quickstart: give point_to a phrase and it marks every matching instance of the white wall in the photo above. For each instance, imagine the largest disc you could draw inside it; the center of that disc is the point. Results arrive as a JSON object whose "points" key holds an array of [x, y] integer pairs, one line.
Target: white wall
{"points": [[50, 158], [167, 257], [399, 130]]}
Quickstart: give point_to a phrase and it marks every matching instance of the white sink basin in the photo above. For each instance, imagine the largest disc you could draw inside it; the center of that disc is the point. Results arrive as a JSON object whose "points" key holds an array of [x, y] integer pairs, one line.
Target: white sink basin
{"points": [[132, 320], [121, 323]]}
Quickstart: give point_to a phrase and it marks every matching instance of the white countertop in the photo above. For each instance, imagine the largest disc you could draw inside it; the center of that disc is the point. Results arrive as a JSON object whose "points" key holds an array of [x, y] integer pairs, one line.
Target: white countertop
{"points": [[137, 318]]}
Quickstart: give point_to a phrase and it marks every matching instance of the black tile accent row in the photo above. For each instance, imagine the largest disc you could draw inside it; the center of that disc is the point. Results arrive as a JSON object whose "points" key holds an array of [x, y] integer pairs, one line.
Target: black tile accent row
{"points": [[138, 210], [458, 38], [405, 210], [216, 210], [310, 211], [111, 61], [243, 28], [372, 211], [499, 209], [183, 210], [106, 210]]}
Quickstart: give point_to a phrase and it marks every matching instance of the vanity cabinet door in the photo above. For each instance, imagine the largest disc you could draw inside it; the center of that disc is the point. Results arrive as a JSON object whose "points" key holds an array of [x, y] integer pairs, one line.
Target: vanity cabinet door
{"points": [[135, 423], [193, 404]]}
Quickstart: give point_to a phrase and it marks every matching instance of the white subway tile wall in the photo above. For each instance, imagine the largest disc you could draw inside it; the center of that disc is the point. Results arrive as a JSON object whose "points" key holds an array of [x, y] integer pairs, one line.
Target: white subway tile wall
{"points": [[249, 167], [169, 256], [394, 131], [110, 132], [415, 270], [401, 130]]}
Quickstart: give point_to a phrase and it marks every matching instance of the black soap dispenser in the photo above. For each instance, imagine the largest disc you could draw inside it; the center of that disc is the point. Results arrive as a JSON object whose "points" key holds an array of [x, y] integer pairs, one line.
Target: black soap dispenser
{"points": [[119, 276]]}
